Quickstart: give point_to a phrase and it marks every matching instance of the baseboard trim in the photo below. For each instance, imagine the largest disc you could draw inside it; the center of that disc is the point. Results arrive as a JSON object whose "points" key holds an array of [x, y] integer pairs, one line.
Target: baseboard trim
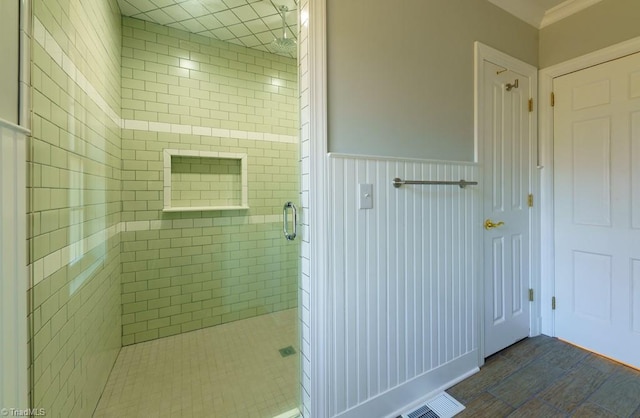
{"points": [[393, 402]]}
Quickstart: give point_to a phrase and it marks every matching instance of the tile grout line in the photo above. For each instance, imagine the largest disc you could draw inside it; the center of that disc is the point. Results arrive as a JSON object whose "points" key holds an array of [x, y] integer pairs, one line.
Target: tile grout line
{"points": [[136, 360], [48, 265], [52, 262], [44, 38]]}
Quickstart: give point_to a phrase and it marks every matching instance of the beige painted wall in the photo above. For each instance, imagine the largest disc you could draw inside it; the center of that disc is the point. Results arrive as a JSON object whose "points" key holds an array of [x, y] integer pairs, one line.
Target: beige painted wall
{"points": [[401, 73], [606, 23], [9, 51]]}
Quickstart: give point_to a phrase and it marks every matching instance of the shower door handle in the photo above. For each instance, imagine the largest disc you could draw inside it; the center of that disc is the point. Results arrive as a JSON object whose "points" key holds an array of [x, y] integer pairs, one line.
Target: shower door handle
{"points": [[285, 218]]}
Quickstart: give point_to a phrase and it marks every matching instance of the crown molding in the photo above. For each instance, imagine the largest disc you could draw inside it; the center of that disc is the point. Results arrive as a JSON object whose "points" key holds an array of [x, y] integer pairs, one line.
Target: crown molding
{"points": [[564, 10], [525, 10]]}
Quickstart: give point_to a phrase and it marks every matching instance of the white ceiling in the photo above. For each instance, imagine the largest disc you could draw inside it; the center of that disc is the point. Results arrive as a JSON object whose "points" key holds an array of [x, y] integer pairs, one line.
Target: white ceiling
{"points": [[251, 23], [256, 23], [540, 13]]}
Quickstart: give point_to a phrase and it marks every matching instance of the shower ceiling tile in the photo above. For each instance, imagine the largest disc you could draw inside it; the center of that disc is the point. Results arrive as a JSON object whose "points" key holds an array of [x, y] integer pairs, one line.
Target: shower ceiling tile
{"points": [[223, 34], [264, 8], [239, 30], [250, 41], [177, 12], [193, 26], [159, 16], [273, 22], [195, 8], [256, 26], [237, 3], [265, 37], [163, 3], [128, 9], [227, 18], [142, 5], [252, 23], [245, 13], [214, 5], [210, 22]]}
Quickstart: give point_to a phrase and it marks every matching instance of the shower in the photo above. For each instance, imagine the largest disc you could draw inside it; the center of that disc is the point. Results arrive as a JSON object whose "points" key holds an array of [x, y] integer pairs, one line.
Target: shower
{"points": [[284, 44], [162, 277]]}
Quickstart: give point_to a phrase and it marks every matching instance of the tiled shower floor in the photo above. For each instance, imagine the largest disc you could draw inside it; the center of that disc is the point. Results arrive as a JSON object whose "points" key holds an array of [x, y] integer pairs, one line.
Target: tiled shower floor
{"points": [[227, 371]]}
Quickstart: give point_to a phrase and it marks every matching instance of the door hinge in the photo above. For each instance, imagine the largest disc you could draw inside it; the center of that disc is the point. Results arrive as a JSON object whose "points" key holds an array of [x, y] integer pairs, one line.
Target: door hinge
{"points": [[553, 303], [530, 200], [530, 105], [530, 295], [553, 99]]}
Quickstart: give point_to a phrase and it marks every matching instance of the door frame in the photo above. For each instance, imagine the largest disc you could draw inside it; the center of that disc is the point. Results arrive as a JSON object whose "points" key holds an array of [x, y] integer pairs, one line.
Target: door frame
{"points": [[484, 52], [547, 229], [316, 339]]}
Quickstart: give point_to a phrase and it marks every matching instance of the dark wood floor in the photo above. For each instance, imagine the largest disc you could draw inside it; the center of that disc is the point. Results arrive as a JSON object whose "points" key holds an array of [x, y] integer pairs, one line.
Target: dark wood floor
{"points": [[545, 377]]}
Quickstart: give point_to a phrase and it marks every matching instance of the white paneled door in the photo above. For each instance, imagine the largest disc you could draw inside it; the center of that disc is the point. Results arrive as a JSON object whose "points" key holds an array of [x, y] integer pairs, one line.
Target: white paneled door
{"points": [[597, 208], [506, 128]]}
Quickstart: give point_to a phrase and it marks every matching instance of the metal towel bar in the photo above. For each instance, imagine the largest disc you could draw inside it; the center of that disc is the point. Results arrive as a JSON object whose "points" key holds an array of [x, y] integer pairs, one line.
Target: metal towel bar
{"points": [[397, 182]]}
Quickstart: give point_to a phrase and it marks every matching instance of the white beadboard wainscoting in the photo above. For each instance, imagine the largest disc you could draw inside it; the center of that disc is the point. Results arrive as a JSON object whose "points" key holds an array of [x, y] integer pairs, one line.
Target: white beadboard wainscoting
{"points": [[13, 267], [403, 283]]}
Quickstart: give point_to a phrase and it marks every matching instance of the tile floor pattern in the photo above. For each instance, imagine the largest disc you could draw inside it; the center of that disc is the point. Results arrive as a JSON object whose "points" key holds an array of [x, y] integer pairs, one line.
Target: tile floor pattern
{"points": [[545, 377], [232, 370]]}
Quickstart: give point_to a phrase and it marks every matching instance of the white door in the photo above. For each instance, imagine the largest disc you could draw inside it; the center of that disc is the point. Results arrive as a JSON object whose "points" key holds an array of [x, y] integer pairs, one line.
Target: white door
{"points": [[507, 134], [597, 208]]}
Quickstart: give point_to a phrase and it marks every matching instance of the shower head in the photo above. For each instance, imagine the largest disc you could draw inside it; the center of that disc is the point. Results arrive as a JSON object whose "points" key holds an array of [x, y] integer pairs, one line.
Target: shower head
{"points": [[284, 45]]}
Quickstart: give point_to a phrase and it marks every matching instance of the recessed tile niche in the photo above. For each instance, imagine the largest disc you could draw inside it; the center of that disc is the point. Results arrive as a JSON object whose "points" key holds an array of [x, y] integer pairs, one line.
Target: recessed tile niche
{"points": [[204, 180]]}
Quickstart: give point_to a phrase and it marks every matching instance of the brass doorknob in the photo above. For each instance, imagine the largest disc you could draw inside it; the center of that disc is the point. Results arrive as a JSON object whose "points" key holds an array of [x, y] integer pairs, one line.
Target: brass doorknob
{"points": [[488, 224]]}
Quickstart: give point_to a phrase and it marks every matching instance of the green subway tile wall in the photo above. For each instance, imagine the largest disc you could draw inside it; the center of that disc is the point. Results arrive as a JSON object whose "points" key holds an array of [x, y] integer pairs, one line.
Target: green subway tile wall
{"points": [[188, 270], [75, 203]]}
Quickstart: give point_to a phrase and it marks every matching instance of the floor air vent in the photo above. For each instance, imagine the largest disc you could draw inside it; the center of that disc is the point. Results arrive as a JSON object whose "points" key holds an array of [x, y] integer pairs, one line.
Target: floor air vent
{"points": [[423, 412], [442, 406]]}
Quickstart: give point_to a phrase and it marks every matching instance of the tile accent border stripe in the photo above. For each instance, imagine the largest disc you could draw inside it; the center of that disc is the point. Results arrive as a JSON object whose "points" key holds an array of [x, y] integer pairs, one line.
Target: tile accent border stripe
{"points": [[199, 222], [49, 44], [48, 265], [43, 37], [175, 128]]}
